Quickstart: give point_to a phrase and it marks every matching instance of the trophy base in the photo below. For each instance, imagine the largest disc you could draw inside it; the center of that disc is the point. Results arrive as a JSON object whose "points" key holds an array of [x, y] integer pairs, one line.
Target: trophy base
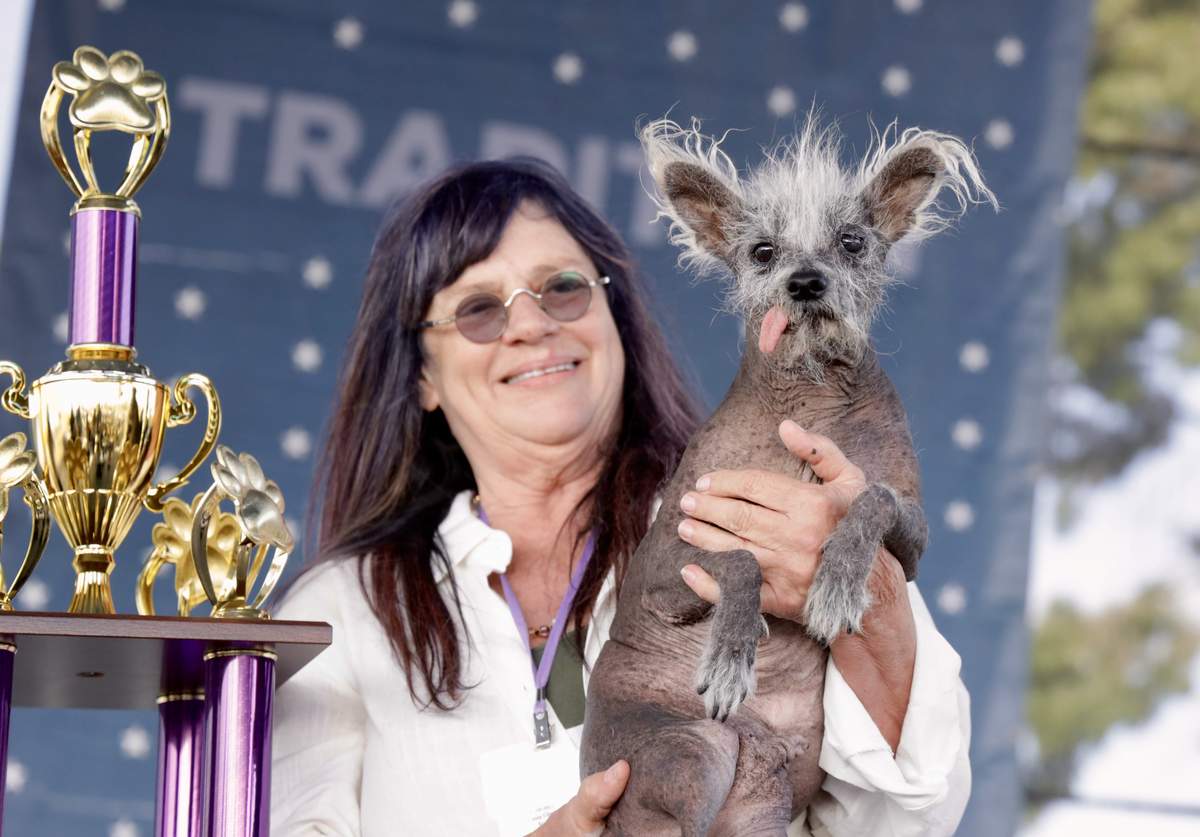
{"points": [[93, 592]]}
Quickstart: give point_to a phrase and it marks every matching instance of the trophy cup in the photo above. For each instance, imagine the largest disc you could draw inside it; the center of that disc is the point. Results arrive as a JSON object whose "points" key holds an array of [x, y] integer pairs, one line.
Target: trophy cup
{"points": [[98, 417]]}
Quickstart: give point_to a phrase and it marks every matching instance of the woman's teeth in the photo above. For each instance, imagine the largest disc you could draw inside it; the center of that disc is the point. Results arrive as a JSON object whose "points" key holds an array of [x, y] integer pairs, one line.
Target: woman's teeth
{"points": [[537, 373]]}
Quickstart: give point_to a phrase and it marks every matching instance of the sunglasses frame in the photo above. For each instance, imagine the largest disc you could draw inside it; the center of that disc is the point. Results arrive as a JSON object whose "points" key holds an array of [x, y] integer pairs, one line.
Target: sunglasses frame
{"points": [[506, 304]]}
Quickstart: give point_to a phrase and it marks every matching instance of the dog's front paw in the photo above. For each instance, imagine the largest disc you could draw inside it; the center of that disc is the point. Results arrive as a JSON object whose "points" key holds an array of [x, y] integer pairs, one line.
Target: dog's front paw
{"points": [[726, 673], [839, 598]]}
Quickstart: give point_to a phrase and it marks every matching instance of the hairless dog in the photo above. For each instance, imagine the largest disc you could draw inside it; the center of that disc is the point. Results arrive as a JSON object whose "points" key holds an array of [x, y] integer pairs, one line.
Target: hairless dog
{"points": [[717, 709]]}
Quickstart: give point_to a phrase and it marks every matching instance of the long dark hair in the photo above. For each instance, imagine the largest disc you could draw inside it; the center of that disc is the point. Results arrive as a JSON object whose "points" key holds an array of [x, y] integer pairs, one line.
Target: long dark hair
{"points": [[390, 470]]}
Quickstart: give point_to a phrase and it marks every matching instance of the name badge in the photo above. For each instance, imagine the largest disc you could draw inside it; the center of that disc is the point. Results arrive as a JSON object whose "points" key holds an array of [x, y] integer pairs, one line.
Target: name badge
{"points": [[523, 784]]}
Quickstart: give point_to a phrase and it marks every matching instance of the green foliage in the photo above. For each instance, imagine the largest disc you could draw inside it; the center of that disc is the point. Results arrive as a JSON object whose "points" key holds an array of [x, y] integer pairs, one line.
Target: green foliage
{"points": [[1135, 257], [1090, 672]]}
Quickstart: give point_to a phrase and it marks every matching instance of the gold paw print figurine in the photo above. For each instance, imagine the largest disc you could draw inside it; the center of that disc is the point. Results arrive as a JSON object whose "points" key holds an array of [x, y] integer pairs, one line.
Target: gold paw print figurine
{"points": [[17, 471], [111, 93], [258, 509], [108, 93]]}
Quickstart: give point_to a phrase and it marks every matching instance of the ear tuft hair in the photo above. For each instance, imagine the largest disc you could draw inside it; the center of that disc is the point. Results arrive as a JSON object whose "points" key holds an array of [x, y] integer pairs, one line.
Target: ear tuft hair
{"points": [[697, 189], [903, 175]]}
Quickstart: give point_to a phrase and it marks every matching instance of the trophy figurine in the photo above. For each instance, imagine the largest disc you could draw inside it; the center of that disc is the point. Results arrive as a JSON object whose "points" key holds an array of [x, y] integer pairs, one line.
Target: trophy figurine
{"points": [[17, 471], [99, 417]]}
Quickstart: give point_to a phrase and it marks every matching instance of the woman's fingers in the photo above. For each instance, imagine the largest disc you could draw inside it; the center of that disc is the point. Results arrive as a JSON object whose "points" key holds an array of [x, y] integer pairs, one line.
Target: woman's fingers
{"points": [[826, 459], [766, 488], [598, 793], [751, 523], [702, 584]]}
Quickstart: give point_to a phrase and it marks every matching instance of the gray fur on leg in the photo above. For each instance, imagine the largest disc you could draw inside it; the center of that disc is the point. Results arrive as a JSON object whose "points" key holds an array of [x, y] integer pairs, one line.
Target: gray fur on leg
{"points": [[839, 597], [725, 675]]}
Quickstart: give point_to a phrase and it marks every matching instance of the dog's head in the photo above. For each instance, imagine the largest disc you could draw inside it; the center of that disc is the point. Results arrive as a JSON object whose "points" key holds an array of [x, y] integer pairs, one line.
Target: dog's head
{"points": [[804, 239]]}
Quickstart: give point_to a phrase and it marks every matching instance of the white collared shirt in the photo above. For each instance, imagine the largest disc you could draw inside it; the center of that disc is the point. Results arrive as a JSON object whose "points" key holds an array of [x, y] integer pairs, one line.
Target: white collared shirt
{"points": [[353, 755]]}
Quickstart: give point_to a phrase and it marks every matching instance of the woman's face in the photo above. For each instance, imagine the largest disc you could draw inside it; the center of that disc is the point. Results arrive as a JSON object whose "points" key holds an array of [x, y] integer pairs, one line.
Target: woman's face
{"points": [[482, 388]]}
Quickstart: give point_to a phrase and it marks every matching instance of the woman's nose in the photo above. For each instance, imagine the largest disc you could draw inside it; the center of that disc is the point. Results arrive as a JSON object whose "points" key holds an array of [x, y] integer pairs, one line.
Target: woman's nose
{"points": [[527, 321]]}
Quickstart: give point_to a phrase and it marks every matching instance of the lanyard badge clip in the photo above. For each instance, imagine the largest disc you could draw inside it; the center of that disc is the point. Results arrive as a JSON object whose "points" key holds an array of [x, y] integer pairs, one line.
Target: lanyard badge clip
{"points": [[541, 722]]}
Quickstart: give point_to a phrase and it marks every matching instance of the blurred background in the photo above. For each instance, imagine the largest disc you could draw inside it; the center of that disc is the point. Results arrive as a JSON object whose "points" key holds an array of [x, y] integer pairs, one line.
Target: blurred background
{"points": [[1047, 355]]}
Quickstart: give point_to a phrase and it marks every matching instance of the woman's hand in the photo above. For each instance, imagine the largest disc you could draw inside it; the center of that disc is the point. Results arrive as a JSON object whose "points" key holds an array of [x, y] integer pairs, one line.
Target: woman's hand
{"points": [[584, 814], [781, 520]]}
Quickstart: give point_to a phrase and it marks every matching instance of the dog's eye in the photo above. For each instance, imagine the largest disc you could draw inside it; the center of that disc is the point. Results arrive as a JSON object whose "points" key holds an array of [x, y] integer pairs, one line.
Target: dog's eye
{"points": [[762, 253], [852, 242]]}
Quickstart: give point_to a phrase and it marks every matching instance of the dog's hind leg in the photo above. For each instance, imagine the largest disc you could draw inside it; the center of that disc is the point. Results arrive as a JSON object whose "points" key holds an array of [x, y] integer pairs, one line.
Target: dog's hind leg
{"points": [[679, 778]]}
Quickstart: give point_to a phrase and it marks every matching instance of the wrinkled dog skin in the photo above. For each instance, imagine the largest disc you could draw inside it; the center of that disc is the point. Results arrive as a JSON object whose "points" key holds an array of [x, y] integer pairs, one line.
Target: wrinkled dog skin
{"points": [[718, 711]]}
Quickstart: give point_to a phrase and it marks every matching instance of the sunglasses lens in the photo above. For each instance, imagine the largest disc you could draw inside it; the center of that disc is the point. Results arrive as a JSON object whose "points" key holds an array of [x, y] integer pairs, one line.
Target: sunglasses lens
{"points": [[566, 297], [480, 318]]}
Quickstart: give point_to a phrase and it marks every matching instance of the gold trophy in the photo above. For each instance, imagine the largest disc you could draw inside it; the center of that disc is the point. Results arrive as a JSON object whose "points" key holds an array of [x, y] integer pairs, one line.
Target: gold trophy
{"points": [[99, 417]]}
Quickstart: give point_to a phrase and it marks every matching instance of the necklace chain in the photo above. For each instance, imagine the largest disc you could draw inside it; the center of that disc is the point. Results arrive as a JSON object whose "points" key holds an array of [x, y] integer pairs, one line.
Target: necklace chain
{"points": [[541, 631]]}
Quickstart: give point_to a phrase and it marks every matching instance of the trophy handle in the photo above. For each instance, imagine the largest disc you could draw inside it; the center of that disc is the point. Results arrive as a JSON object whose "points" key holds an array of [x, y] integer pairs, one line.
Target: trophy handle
{"points": [[182, 412], [144, 594], [204, 512], [273, 574], [14, 399], [39, 508]]}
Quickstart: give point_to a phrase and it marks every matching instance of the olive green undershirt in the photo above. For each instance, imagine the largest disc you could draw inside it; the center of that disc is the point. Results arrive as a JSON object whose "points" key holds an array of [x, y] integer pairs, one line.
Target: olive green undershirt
{"points": [[565, 689]]}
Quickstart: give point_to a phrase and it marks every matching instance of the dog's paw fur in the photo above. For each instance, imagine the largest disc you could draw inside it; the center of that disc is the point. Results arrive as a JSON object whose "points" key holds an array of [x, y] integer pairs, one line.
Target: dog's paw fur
{"points": [[725, 675], [839, 598]]}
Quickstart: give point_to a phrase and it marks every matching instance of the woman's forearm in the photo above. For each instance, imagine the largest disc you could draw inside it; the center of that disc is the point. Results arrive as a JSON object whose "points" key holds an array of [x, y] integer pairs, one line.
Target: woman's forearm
{"points": [[878, 663]]}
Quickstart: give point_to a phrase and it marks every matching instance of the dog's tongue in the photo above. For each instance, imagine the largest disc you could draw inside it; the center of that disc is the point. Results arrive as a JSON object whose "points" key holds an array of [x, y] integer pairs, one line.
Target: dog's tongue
{"points": [[773, 325]]}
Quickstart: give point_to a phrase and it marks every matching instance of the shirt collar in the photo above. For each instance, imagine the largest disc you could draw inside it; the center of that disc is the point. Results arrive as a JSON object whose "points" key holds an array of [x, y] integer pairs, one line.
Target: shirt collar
{"points": [[469, 543]]}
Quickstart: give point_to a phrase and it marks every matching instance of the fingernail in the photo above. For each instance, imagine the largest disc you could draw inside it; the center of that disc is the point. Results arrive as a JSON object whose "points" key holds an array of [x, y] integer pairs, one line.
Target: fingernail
{"points": [[686, 530], [703, 483], [688, 573], [687, 502]]}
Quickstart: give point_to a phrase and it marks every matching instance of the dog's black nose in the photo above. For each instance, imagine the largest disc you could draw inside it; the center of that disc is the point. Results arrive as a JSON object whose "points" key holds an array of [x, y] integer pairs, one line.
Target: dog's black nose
{"points": [[807, 285]]}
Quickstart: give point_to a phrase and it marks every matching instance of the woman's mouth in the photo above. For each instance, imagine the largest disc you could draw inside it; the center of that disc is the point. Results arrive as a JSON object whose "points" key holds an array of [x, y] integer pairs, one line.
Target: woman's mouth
{"points": [[541, 372]]}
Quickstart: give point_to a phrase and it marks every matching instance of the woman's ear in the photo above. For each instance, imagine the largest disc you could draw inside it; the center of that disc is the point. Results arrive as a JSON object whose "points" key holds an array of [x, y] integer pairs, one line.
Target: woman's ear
{"points": [[428, 392]]}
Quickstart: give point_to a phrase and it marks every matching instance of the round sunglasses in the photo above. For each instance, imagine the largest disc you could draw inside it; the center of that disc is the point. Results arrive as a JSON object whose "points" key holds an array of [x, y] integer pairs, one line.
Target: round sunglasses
{"points": [[482, 317]]}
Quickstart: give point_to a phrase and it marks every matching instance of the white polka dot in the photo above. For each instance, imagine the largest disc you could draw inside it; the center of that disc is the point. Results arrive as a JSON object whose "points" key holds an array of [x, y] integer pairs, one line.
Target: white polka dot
{"points": [[62, 328], [973, 356], [165, 471], [1010, 51], [293, 525], [317, 272], [568, 68], [35, 595], [967, 434], [295, 443], [135, 742], [952, 598], [959, 515], [190, 303], [348, 33], [682, 45], [111, 5], [17, 776], [909, 7], [462, 13], [124, 828], [66, 243], [896, 81], [998, 134], [306, 356], [793, 17], [781, 100]]}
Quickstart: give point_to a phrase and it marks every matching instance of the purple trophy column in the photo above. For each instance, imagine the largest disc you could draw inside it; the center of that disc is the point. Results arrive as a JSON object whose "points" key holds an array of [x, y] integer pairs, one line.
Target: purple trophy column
{"points": [[240, 689], [103, 273], [177, 808], [178, 803], [8, 651]]}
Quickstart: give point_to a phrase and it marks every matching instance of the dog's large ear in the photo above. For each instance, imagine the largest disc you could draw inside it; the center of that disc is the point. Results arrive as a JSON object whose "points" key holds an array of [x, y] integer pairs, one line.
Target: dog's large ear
{"points": [[901, 182], [698, 191]]}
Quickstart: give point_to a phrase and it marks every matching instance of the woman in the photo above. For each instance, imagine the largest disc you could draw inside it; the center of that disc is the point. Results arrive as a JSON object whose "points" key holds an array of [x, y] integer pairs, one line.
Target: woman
{"points": [[507, 406]]}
